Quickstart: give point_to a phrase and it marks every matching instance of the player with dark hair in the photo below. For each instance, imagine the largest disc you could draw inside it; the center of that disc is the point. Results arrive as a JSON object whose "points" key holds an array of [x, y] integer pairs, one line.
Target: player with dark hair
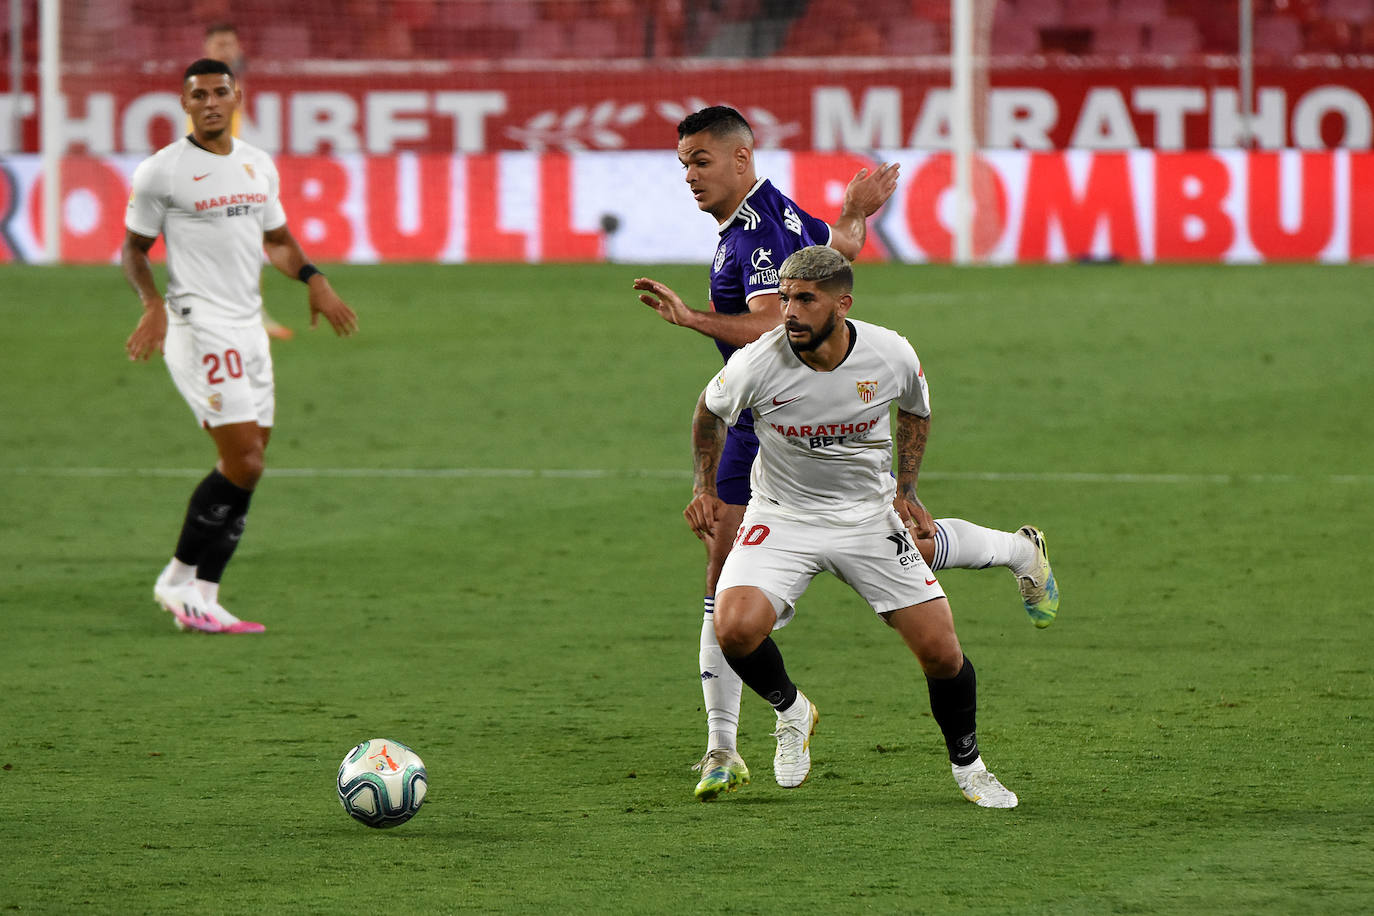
{"points": [[222, 44], [214, 199], [821, 388], [759, 228]]}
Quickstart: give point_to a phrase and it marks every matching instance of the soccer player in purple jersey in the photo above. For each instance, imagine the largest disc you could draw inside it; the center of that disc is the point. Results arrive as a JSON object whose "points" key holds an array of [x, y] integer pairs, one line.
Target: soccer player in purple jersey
{"points": [[759, 228]]}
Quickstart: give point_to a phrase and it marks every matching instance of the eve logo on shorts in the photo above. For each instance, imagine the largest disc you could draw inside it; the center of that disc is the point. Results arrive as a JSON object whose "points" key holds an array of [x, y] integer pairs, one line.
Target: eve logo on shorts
{"points": [[906, 550]]}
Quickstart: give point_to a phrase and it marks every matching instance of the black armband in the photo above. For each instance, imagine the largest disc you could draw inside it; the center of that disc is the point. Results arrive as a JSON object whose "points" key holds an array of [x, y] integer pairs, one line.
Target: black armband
{"points": [[308, 271]]}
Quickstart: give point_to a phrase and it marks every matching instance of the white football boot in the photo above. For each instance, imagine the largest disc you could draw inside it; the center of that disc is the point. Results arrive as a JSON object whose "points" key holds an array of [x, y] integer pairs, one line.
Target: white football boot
{"points": [[188, 607], [228, 623], [792, 762], [981, 787]]}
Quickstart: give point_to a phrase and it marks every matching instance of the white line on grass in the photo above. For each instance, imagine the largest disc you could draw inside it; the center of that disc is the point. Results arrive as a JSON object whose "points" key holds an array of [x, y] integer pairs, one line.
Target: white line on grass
{"points": [[633, 473]]}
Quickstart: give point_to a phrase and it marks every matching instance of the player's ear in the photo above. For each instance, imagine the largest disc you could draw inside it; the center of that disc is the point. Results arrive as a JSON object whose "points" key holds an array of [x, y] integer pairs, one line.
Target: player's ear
{"points": [[743, 157], [845, 302]]}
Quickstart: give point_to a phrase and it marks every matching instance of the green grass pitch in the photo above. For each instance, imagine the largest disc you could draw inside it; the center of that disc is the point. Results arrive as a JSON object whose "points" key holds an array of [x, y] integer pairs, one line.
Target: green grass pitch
{"points": [[470, 540]]}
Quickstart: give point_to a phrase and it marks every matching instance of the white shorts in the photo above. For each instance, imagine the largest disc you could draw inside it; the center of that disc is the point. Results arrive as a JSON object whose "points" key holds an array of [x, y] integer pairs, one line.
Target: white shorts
{"points": [[878, 559], [223, 373]]}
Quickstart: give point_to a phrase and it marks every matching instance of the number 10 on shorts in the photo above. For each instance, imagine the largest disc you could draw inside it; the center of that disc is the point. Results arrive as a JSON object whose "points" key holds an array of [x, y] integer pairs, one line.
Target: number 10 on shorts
{"points": [[751, 536]]}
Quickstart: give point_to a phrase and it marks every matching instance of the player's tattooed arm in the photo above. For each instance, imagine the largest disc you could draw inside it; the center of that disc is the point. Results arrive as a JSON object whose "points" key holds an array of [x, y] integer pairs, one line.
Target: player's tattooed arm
{"points": [[708, 440], [912, 433], [151, 331]]}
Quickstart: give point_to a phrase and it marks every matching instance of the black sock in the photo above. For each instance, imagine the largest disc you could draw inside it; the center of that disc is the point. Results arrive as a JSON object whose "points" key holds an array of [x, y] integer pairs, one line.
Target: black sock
{"points": [[766, 675], [214, 502], [216, 554], [954, 703]]}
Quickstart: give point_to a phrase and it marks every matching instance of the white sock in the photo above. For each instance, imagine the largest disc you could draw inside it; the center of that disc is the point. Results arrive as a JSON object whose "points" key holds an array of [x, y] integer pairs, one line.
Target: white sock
{"points": [[720, 687], [178, 573], [975, 767], [208, 590], [964, 545], [800, 709]]}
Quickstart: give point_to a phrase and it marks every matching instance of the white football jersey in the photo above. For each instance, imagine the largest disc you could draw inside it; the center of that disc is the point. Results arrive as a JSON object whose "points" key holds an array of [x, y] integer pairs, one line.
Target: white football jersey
{"points": [[825, 438], [211, 211]]}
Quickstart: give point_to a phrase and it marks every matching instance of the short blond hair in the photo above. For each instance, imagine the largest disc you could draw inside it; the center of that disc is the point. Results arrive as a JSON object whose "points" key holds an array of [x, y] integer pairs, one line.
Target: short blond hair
{"points": [[822, 265]]}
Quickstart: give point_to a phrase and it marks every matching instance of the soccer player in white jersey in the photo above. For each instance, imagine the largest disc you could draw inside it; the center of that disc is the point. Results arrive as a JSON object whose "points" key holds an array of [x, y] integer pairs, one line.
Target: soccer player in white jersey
{"points": [[214, 200], [222, 43], [824, 498], [759, 227]]}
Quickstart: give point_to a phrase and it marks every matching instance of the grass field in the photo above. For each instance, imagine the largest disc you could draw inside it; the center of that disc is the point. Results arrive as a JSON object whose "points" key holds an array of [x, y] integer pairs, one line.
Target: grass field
{"points": [[469, 540]]}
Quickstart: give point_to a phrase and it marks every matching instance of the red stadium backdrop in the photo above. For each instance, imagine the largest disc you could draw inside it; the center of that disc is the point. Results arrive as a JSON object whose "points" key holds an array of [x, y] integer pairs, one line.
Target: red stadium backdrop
{"points": [[1143, 205], [793, 104]]}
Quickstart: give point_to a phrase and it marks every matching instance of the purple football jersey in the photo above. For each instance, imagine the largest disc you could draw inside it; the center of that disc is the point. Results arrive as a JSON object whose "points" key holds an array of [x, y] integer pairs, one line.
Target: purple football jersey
{"points": [[754, 242]]}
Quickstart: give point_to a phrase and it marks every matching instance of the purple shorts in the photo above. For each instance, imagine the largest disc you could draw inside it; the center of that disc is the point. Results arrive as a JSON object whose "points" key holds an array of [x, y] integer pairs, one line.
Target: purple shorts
{"points": [[732, 476]]}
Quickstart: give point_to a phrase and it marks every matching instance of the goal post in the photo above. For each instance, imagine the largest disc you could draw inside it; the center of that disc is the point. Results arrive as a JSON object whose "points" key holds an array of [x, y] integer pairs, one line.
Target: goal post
{"points": [[961, 124], [51, 111]]}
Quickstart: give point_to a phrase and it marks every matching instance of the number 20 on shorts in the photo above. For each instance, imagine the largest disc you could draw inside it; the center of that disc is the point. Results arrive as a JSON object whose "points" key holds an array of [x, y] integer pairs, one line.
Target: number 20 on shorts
{"points": [[231, 362], [751, 536]]}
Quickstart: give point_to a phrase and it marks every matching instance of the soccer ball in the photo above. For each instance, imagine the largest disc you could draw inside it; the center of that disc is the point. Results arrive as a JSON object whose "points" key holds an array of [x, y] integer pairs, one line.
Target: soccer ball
{"points": [[382, 783]]}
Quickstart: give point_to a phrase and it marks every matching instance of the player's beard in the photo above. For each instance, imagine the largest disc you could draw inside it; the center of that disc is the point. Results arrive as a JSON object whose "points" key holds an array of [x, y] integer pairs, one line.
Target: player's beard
{"points": [[817, 337]]}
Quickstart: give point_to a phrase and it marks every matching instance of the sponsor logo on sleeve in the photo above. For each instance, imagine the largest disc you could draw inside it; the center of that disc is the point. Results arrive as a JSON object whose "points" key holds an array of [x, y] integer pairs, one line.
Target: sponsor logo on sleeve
{"points": [[764, 271]]}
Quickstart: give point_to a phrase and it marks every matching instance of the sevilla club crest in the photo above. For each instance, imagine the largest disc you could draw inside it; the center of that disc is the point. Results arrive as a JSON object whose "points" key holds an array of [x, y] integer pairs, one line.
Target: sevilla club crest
{"points": [[867, 391], [249, 169]]}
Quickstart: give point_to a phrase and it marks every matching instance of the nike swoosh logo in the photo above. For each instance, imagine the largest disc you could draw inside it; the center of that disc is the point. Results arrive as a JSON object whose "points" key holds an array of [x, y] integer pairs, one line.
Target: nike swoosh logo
{"points": [[930, 582], [777, 403], [199, 177]]}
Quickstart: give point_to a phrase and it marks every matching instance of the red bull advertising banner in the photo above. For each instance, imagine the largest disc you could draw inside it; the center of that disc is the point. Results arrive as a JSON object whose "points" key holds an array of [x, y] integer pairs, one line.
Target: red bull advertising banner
{"points": [[1137, 206]]}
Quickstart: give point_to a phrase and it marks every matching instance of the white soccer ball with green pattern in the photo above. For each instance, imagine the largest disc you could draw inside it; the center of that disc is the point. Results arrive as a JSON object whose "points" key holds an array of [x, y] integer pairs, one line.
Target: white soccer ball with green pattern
{"points": [[382, 783]]}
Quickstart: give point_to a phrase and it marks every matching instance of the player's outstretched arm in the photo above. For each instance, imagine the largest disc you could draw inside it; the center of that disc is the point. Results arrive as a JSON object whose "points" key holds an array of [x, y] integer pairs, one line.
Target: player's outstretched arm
{"points": [[736, 330], [866, 192], [708, 439], [151, 331], [912, 433], [286, 255]]}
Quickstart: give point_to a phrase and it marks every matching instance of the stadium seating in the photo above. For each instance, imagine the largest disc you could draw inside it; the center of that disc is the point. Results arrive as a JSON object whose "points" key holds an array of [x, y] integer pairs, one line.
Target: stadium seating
{"points": [[627, 29]]}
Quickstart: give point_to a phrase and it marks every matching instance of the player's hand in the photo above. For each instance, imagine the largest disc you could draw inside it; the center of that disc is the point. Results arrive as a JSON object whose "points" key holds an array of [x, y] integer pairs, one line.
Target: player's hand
{"points": [[869, 190], [702, 513], [661, 298], [147, 338], [324, 301], [915, 516]]}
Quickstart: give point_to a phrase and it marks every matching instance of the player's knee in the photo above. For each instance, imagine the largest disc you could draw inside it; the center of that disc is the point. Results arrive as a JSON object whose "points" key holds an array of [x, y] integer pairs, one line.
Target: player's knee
{"points": [[735, 635], [942, 659], [244, 468]]}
